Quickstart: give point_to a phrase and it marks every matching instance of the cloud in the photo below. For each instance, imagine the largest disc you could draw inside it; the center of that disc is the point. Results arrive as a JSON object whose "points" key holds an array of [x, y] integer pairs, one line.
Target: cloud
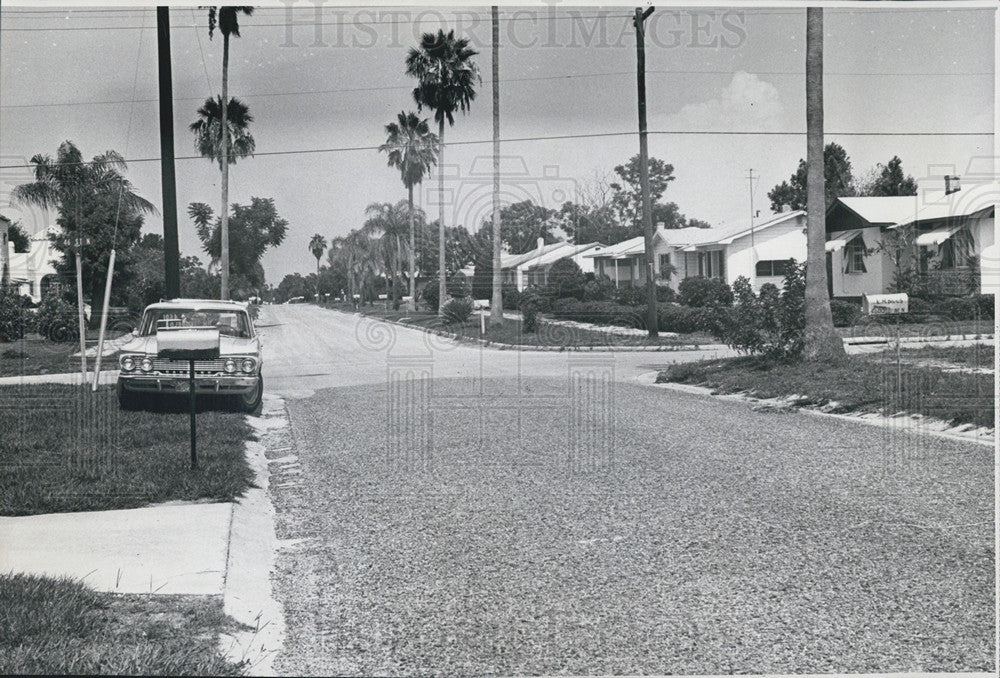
{"points": [[746, 103]]}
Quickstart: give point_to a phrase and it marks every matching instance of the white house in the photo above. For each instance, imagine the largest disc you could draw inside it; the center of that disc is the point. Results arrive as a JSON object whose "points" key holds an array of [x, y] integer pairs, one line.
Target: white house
{"points": [[28, 270], [939, 235], [537, 270]]}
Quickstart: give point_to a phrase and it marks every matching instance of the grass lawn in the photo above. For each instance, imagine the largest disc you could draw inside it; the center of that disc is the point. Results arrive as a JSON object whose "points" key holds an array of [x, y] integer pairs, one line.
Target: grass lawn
{"points": [[861, 383], [511, 332], [64, 448], [945, 328], [59, 626], [35, 354], [967, 356]]}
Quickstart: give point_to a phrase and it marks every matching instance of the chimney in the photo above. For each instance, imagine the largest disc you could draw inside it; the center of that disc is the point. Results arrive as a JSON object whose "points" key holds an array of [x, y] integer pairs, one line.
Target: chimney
{"points": [[660, 226], [541, 243], [785, 208], [951, 184]]}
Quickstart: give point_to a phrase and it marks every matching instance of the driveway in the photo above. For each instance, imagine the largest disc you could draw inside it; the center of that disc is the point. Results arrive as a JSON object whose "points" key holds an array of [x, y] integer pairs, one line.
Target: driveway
{"points": [[467, 511]]}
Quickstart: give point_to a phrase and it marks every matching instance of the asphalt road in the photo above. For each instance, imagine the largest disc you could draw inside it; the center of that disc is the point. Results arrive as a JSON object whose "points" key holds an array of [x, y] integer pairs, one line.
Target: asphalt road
{"points": [[466, 511]]}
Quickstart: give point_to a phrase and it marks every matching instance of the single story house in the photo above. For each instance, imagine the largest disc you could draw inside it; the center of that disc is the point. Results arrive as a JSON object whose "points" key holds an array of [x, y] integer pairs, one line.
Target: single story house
{"points": [[759, 253], [30, 271], [940, 236], [536, 271]]}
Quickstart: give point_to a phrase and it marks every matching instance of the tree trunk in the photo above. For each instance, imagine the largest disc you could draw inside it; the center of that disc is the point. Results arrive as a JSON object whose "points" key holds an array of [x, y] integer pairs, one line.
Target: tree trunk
{"points": [[496, 303], [412, 305], [821, 343], [397, 274], [442, 289], [225, 168]]}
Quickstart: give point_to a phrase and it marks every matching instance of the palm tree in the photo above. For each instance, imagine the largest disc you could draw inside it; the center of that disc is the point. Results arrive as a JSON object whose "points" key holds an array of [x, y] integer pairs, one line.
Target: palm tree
{"points": [[820, 340], [412, 149], [317, 244], [66, 181], [227, 18], [446, 78], [235, 119], [387, 224]]}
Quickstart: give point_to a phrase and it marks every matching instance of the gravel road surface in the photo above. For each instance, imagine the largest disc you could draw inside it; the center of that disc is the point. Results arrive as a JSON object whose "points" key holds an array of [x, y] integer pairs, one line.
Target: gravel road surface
{"points": [[522, 513]]}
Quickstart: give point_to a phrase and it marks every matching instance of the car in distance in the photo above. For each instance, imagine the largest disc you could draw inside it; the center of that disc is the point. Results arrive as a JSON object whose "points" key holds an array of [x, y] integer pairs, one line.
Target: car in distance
{"points": [[236, 374]]}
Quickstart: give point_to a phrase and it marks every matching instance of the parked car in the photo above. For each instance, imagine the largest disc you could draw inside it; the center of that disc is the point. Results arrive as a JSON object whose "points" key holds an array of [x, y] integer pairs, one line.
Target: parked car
{"points": [[236, 374]]}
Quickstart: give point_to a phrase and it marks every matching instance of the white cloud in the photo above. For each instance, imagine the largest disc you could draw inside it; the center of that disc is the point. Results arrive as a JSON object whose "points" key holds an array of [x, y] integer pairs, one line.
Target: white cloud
{"points": [[746, 103]]}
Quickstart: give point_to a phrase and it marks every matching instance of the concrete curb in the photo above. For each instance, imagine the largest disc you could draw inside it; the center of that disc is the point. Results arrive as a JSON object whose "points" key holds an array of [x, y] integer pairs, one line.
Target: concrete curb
{"points": [[72, 378], [913, 423], [540, 349], [248, 595]]}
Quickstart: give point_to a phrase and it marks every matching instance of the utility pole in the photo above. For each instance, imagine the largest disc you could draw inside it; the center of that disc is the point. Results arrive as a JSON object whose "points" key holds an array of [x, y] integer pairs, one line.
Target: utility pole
{"points": [[647, 217], [752, 213], [496, 302], [168, 182]]}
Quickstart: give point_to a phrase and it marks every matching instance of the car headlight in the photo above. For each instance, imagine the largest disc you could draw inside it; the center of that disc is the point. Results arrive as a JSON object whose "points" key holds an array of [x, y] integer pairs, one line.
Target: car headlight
{"points": [[230, 366], [128, 363], [248, 364], [146, 365]]}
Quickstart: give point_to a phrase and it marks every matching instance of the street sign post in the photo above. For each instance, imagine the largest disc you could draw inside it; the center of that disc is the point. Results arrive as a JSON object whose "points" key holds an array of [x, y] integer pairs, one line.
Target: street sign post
{"points": [[191, 344]]}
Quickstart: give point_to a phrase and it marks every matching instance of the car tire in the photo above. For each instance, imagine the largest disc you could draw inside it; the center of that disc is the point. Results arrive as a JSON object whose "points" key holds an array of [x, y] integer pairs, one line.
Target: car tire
{"points": [[252, 402], [129, 400]]}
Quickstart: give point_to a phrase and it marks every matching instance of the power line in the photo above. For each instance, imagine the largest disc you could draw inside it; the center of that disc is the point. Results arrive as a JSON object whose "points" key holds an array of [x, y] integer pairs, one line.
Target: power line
{"points": [[559, 137], [345, 90]]}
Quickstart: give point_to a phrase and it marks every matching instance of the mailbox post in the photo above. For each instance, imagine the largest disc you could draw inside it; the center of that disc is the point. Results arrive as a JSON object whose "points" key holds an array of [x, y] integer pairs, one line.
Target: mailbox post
{"points": [[191, 344]]}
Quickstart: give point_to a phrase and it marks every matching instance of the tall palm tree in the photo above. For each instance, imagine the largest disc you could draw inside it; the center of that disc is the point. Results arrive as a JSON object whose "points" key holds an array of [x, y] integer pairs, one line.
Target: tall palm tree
{"points": [[446, 76], [412, 149], [227, 18], [317, 244], [496, 302], [224, 148], [65, 182], [820, 340], [387, 224]]}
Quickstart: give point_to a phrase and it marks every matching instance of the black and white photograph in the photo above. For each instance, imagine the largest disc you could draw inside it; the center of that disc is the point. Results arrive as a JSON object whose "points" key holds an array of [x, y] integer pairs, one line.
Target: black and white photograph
{"points": [[542, 338]]}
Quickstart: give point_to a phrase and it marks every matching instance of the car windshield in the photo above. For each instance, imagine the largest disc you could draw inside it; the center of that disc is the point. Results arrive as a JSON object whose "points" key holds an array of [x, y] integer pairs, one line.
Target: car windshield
{"points": [[230, 323]]}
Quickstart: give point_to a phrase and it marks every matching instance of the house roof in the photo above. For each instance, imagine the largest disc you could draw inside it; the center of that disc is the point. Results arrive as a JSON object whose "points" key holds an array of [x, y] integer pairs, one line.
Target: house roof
{"points": [[514, 260], [561, 253], [622, 250], [691, 238], [882, 209]]}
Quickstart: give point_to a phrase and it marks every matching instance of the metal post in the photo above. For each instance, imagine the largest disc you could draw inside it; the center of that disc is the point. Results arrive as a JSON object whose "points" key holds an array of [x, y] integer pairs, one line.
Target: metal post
{"points": [[79, 302], [194, 454], [104, 319]]}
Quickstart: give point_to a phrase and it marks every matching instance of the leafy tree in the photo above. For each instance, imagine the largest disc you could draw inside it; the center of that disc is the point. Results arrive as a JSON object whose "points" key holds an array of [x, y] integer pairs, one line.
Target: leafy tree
{"points": [[521, 225], [412, 149], [292, 285], [17, 236], [460, 248], [255, 228], [888, 180], [588, 223], [446, 76], [627, 197], [565, 279], [838, 179]]}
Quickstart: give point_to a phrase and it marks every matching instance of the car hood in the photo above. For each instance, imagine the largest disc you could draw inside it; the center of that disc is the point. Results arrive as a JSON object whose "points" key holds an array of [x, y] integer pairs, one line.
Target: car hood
{"points": [[227, 346]]}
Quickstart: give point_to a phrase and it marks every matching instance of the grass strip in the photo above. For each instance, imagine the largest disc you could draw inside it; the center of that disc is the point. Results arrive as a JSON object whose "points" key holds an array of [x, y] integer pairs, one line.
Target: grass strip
{"points": [[859, 384], [64, 448], [59, 626]]}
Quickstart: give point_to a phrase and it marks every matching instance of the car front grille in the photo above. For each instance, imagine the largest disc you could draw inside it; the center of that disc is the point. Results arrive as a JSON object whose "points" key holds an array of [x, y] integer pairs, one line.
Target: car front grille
{"points": [[183, 367]]}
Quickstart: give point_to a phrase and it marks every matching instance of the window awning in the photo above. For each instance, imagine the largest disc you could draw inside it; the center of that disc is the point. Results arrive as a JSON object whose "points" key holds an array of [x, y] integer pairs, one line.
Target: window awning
{"points": [[937, 236], [840, 242]]}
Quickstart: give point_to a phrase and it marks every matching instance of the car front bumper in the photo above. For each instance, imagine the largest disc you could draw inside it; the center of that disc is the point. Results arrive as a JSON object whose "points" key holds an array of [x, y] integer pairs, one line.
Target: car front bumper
{"points": [[154, 383]]}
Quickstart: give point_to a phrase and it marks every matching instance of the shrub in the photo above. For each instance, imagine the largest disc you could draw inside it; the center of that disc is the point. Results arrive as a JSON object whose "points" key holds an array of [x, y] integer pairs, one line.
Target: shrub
{"points": [[956, 308], [57, 318], [430, 295], [457, 310], [458, 286], [700, 292], [631, 296], [599, 289], [986, 304], [541, 299], [566, 308], [13, 316], [665, 294], [672, 317], [511, 297], [531, 305], [845, 313], [770, 323], [565, 279]]}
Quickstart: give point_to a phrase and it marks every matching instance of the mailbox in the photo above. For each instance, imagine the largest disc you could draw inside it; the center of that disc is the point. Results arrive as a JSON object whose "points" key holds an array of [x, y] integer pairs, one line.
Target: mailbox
{"points": [[884, 304], [188, 343], [191, 344]]}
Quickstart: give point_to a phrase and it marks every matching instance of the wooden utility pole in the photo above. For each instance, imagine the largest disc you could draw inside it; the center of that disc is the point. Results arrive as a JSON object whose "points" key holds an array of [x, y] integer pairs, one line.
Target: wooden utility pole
{"points": [[168, 182], [647, 217], [496, 303]]}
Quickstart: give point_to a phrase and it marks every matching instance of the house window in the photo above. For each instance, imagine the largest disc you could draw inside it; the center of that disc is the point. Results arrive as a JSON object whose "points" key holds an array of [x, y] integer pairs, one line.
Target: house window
{"points": [[772, 268], [854, 256], [956, 250], [710, 264]]}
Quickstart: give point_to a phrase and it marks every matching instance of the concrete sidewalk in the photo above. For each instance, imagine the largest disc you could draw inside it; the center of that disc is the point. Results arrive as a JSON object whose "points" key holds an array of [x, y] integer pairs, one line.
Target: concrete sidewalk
{"points": [[164, 549], [74, 378]]}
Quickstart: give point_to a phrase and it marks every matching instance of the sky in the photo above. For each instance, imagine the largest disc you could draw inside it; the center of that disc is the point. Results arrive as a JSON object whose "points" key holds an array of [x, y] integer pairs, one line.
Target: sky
{"points": [[725, 87]]}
